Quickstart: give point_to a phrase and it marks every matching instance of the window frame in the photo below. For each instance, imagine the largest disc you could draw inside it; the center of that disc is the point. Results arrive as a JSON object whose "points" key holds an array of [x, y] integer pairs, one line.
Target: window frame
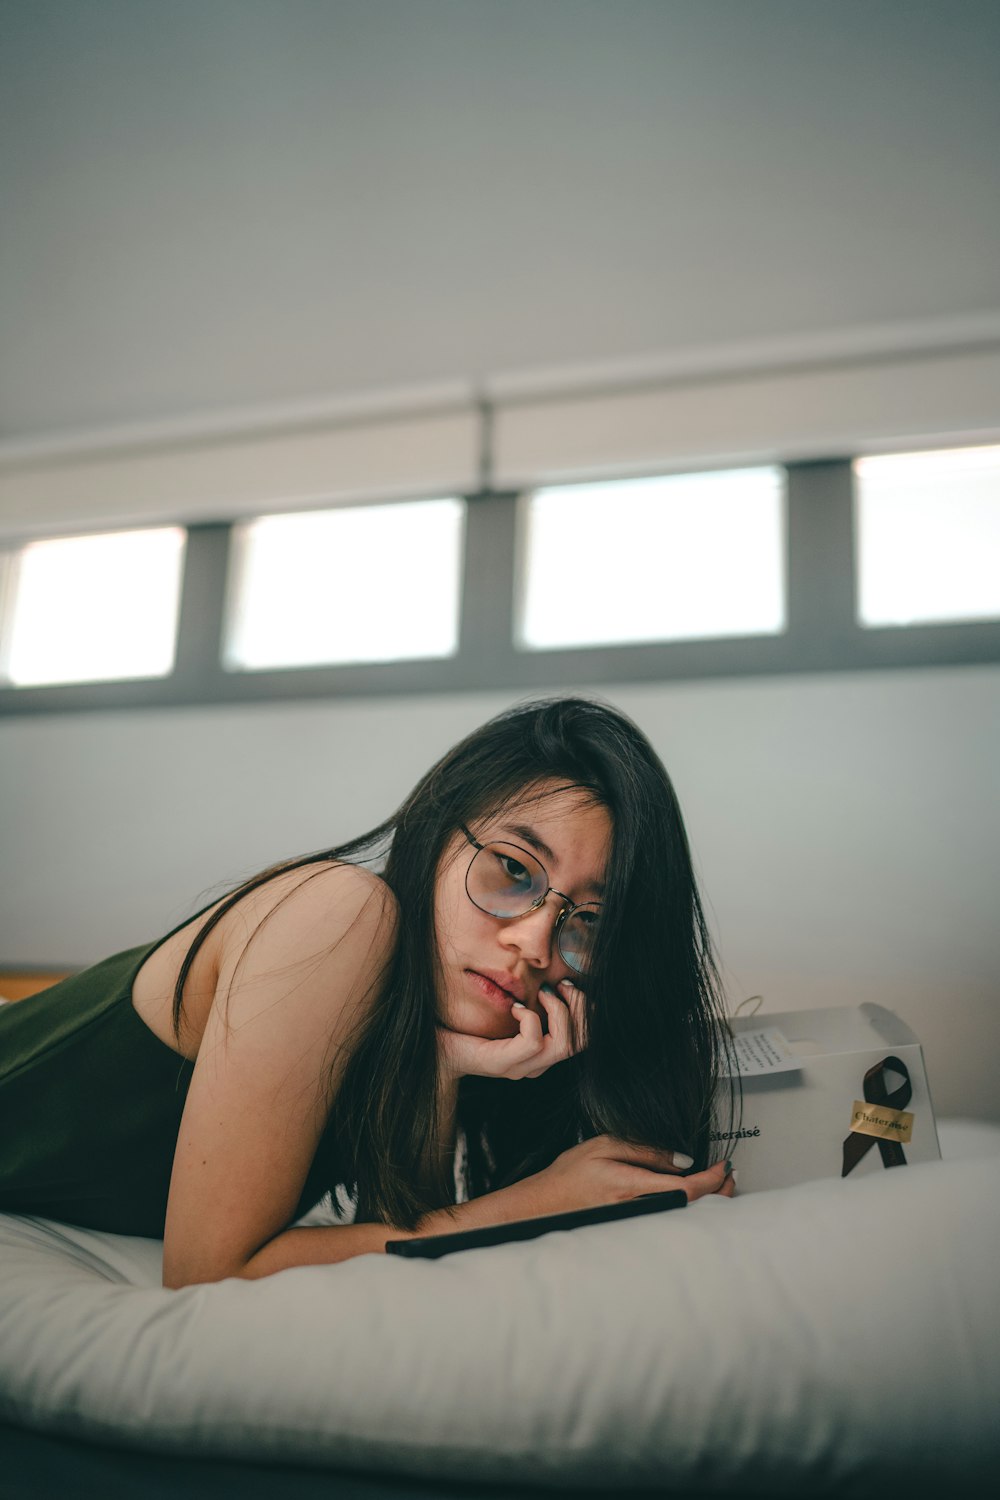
{"points": [[823, 632]]}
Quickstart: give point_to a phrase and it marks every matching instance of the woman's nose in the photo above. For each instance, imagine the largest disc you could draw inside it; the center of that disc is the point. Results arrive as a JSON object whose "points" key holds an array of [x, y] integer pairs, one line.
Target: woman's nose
{"points": [[533, 935]]}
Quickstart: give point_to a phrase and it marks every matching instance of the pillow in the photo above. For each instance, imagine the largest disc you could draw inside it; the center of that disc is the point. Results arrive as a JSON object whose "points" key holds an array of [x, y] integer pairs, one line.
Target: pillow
{"points": [[838, 1335]]}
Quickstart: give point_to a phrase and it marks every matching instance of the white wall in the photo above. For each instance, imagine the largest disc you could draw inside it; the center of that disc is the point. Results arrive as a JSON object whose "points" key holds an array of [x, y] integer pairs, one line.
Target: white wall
{"points": [[846, 829], [212, 205]]}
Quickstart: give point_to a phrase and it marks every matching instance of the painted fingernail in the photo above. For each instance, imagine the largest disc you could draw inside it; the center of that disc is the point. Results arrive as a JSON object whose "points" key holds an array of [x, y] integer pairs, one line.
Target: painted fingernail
{"points": [[680, 1160], [729, 1168]]}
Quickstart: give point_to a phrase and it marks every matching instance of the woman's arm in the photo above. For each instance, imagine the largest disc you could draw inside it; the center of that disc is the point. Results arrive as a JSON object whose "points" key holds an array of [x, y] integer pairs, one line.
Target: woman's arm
{"points": [[258, 1100], [322, 1244], [598, 1171], [602, 1170]]}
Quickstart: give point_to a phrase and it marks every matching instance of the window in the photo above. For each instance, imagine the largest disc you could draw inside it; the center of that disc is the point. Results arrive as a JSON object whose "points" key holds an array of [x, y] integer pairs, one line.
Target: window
{"points": [[927, 528], [92, 608], [357, 584], [735, 573], [683, 557]]}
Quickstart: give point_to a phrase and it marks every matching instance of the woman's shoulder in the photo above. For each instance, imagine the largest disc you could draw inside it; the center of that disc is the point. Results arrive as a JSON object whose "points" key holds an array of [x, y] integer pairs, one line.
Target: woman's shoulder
{"points": [[325, 921], [308, 909]]}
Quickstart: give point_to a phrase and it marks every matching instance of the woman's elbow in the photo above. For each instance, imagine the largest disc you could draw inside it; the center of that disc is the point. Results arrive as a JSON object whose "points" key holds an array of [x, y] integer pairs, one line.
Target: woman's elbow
{"points": [[181, 1271]]}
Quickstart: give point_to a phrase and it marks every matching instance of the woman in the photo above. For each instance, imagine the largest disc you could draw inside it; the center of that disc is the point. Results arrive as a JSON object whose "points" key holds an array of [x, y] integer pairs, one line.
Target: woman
{"points": [[531, 965]]}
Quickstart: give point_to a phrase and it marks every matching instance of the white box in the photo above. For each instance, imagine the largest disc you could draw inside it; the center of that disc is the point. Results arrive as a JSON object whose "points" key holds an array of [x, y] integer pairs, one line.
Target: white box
{"points": [[808, 1108]]}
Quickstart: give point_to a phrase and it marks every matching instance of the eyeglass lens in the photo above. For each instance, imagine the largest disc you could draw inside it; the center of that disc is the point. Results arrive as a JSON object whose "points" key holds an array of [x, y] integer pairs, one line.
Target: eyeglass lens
{"points": [[507, 881]]}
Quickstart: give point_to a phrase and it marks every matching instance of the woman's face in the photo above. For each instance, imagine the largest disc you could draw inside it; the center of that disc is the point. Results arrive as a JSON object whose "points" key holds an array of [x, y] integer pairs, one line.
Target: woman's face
{"points": [[485, 963]]}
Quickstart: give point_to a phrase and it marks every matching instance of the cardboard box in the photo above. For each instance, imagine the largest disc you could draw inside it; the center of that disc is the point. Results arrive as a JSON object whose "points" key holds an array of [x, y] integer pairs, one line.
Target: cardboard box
{"points": [[835, 1092]]}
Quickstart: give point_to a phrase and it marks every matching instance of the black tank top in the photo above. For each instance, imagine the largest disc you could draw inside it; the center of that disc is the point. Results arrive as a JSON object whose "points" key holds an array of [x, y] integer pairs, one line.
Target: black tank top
{"points": [[91, 1103]]}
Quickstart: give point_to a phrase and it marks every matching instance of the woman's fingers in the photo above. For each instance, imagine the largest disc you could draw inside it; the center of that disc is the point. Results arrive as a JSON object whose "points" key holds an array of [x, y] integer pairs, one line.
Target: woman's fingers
{"points": [[533, 1050], [653, 1157], [529, 1053], [488, 1057], [529, 1024], [661, 1169], [565, 1011], [576, 1002], [558, 1016], [713, 1180], [547, 1047]]}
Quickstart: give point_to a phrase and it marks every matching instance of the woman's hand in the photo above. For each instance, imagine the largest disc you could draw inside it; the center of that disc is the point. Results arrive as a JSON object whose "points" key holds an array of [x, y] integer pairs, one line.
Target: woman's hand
{"points": [[607, 1170], [603, 1170], [530, 1053]]}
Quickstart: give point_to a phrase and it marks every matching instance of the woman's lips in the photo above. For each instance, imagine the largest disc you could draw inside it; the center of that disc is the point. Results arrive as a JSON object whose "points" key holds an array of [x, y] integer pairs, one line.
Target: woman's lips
{"points": [[491, 990]]}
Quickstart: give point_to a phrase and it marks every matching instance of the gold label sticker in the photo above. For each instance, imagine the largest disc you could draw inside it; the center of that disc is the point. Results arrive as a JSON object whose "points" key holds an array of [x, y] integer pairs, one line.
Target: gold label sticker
{"points": [[882, 1122]]}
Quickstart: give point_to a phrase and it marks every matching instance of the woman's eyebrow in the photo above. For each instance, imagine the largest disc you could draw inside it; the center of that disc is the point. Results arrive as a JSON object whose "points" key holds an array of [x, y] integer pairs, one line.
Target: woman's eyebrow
{"points": [[529, 836]]}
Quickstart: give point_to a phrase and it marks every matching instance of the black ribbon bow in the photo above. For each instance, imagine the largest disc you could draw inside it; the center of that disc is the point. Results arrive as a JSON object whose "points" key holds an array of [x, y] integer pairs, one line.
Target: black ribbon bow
{"points": [[857, 1146]]}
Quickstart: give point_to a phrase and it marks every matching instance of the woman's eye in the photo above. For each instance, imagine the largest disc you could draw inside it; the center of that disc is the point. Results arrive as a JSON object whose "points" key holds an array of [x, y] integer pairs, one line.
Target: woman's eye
{"points": [[585, 920], [514, 870], [589, 919]]}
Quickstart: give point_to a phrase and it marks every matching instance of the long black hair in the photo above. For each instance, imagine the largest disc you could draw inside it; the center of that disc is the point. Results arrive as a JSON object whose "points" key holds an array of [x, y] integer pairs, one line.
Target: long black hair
{"points": [[650, 1073]]}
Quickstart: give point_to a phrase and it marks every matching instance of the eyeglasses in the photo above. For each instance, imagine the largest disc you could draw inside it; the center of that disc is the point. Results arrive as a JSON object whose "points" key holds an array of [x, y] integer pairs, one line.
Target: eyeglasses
{"points": [[506, 881]]}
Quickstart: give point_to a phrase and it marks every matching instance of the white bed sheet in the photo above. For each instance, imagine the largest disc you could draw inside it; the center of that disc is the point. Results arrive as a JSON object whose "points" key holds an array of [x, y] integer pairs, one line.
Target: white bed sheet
{"points": [[833, 1336]]}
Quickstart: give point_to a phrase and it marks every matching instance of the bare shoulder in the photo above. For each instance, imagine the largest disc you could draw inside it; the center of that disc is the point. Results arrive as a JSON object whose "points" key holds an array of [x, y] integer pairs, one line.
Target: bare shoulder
{"points": [[304, 958], [304, 913]]}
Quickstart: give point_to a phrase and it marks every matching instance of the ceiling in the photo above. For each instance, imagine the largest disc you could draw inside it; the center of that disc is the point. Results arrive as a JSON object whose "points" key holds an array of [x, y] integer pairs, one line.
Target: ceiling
{"points": [[210, 205]]}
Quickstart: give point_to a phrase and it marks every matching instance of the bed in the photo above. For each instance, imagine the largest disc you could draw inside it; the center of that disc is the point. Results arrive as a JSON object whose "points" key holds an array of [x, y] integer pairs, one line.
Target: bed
{"points": [[838, 1337]]}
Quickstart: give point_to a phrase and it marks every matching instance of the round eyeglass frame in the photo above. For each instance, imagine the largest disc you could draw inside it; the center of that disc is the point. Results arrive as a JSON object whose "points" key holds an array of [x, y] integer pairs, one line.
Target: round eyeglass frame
{"points": [[569, 907]]}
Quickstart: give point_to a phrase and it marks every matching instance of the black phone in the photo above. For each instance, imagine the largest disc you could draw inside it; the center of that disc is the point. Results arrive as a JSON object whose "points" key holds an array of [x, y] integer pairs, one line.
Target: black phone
{"points": [[434, 1245]]}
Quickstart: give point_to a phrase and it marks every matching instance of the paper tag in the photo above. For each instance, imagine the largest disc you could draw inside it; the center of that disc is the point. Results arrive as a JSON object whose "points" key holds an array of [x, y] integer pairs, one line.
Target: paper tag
{"points": [[763, 1051], [882, 1122]]}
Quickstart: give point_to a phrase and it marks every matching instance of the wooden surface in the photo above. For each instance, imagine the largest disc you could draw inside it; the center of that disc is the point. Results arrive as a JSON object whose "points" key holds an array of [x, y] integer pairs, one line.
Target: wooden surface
{"points": [[15, 985]]}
